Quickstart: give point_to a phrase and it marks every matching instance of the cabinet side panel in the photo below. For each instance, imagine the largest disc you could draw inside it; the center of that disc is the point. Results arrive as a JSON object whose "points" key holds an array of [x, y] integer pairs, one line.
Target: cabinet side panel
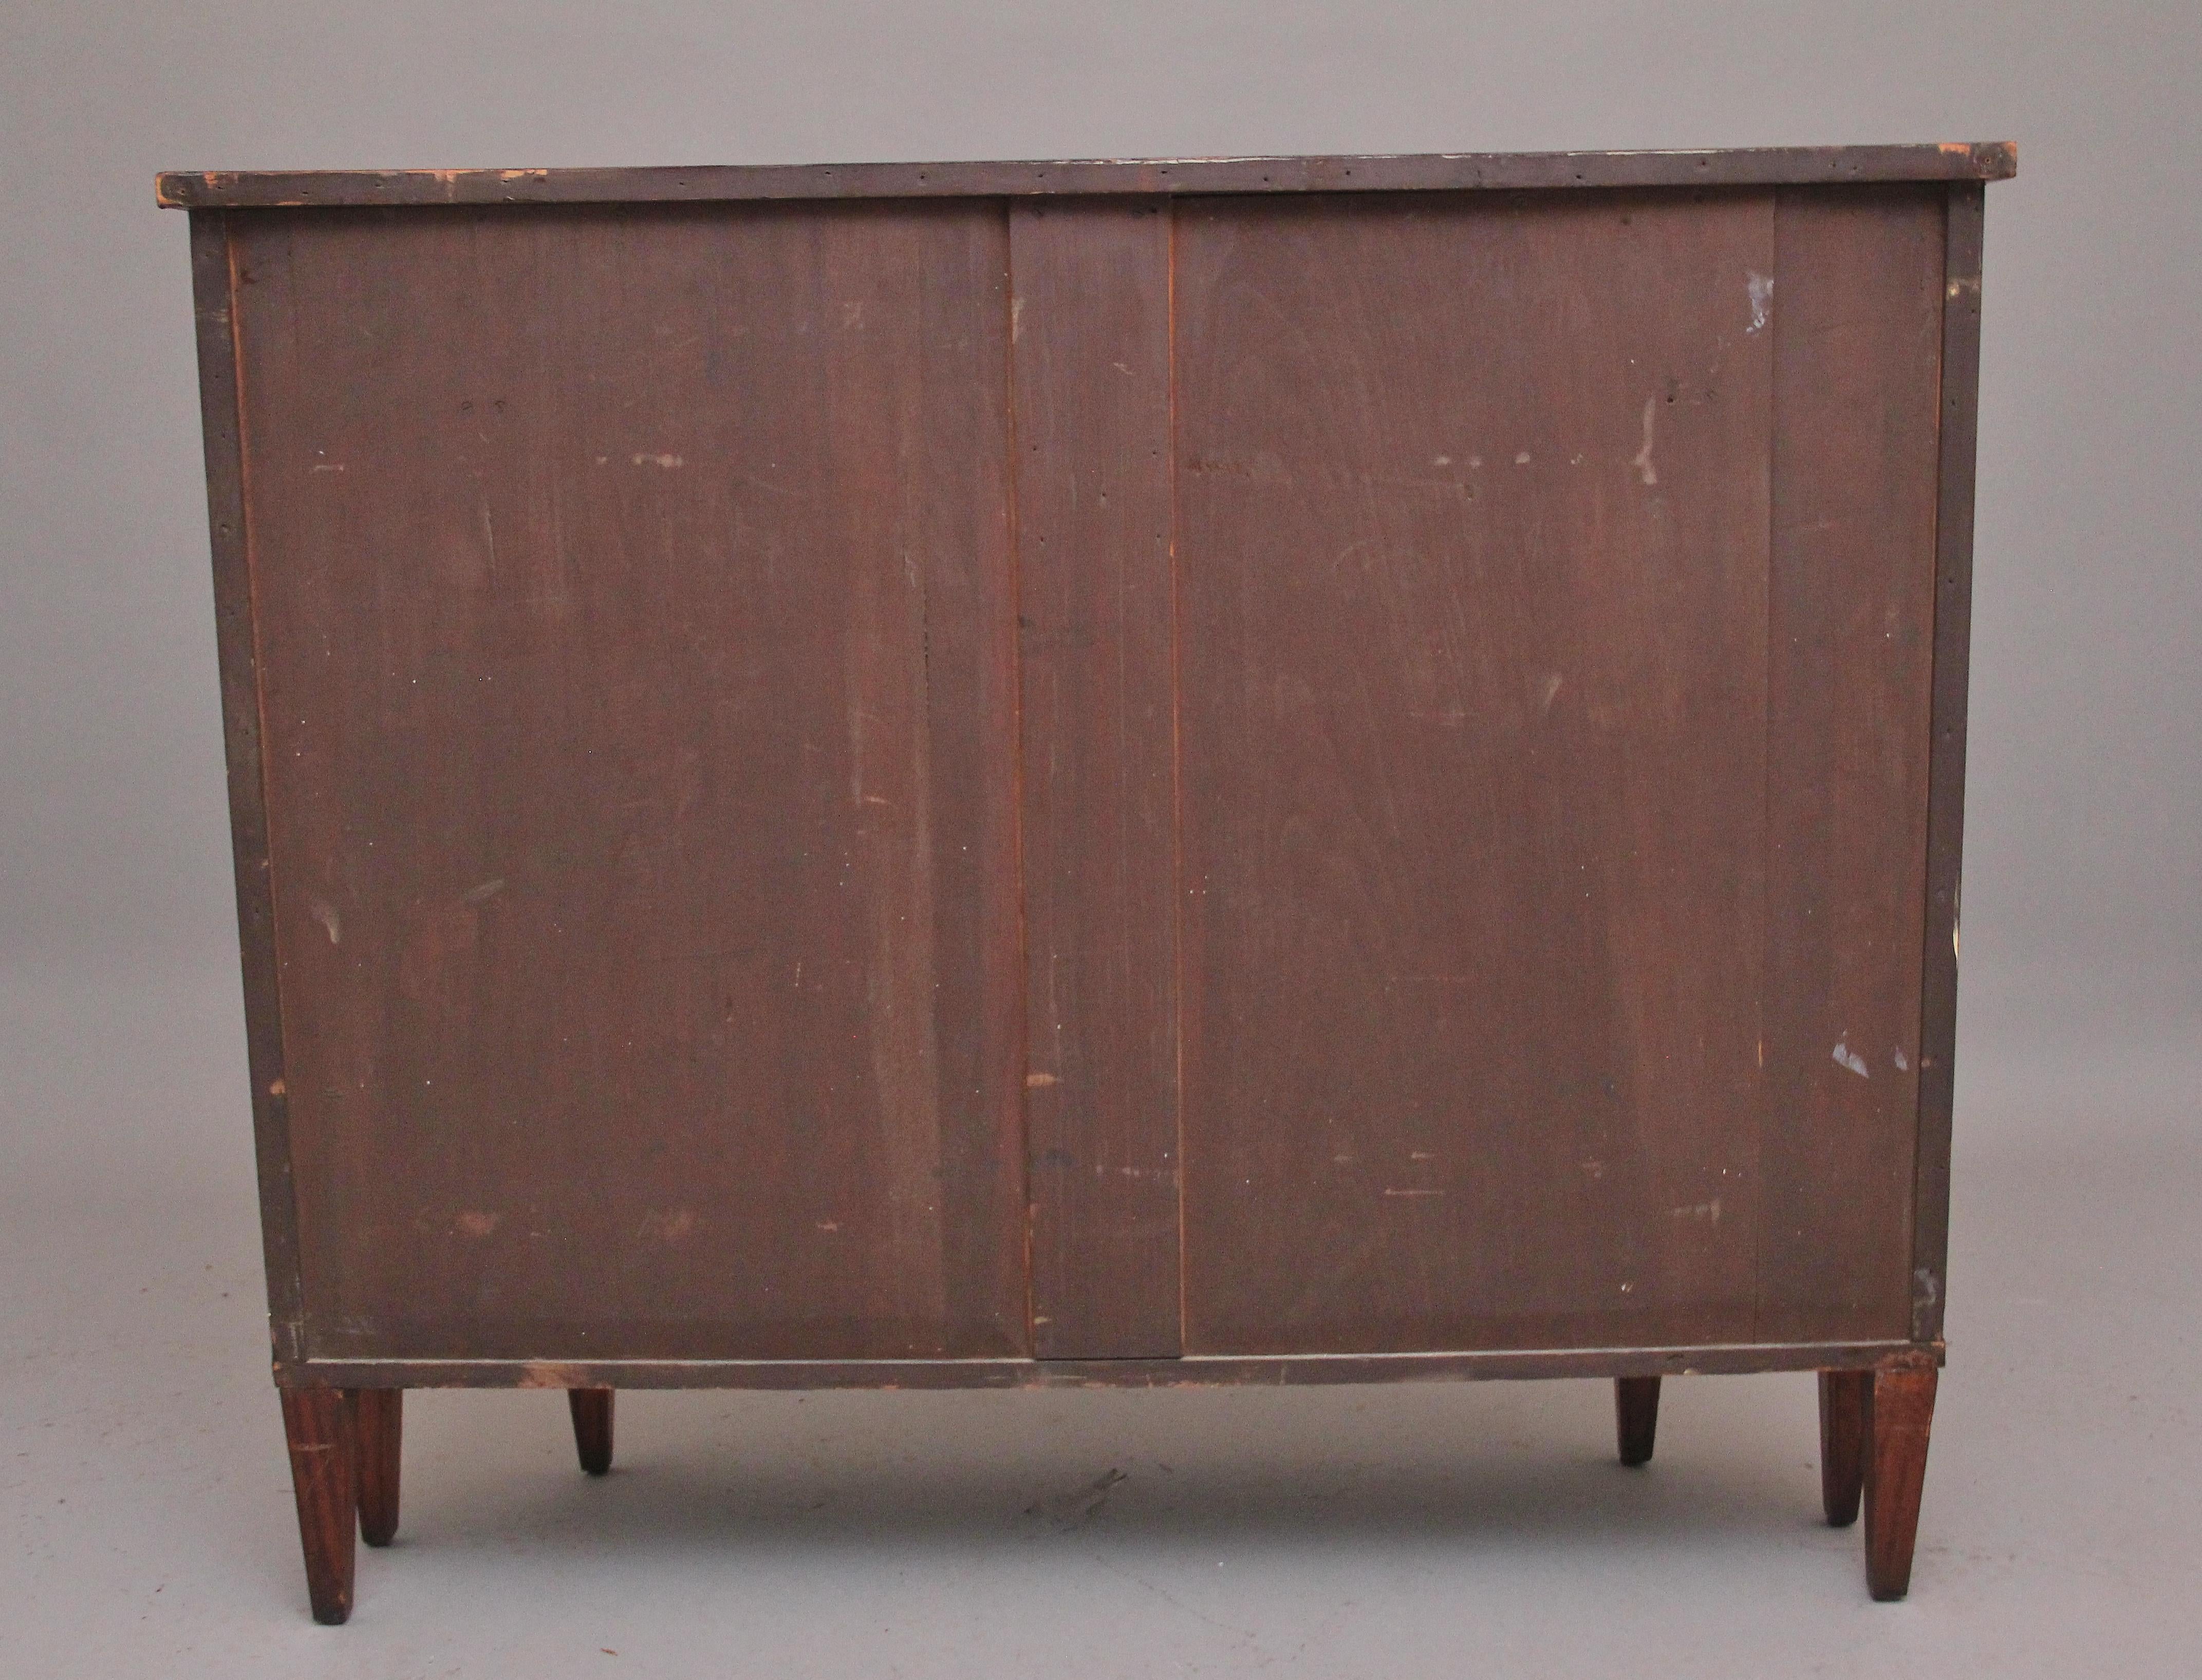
{"points": [[1858, 321], [1946, 820], [635, 592], [1090, 355], [1473, 523], [222, 424]]}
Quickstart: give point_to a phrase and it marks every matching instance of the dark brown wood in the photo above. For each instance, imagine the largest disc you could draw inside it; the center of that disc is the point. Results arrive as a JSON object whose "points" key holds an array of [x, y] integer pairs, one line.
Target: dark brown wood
{"points": [[379, 1418], [324, 1479], [1945, 799], [1091, 338], [1636, 1416], [1855, 315], [1444, 172], [1473, 566], [1843, 1404], [718, 851], [1899, 1415], [1114, 774], [592, 1428], [222, 424], [1192, 1371]]}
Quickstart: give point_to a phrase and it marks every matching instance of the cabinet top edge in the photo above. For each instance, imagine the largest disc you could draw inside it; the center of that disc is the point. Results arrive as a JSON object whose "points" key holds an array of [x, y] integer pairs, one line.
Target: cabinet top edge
{"points": [[1765, 166]]}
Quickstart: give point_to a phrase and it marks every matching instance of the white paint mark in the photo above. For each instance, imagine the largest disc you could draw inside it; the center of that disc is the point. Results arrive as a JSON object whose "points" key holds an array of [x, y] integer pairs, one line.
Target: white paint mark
{"points": [[1552, 690], [1441, 461], [1595, 1168], [1708, 1212], [1926, 1289], [829, 1224], [1475, 460], [1850, 1059], [326, 914], [1121, 368], [1016, 318], [1414, 1192], [852, 314], [1522, 459], [1902, 1064], [1034, 1082], [649, 460], [1643, 461], [1761, 287], [1420, 1155], [328, 466]]}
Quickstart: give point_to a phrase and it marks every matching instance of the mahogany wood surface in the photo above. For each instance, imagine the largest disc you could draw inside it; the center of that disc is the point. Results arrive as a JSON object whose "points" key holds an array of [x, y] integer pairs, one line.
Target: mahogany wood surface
{"points": [[592, 1428], [1636, 1416], [379, 1420], [1899, 1413], [318, 1424], [1283, 770], [1843, 1403]]}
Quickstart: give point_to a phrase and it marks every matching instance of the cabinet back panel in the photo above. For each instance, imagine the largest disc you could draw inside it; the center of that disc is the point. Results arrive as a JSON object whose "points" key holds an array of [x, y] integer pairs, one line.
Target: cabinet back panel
{"points": [[633, 603]]}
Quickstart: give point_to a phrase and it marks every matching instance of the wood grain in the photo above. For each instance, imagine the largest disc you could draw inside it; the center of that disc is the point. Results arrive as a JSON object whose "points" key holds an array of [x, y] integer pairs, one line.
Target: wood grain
{"points": [[1899, 1418], [318, 1426], [1454, 171], [1092, 404], [1945, 813], [633, 597], [1473, 518], [1856, 313], [379, 1423]]}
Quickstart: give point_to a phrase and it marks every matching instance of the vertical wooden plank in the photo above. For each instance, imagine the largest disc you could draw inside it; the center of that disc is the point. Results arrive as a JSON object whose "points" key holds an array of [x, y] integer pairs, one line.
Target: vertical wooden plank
{"points": [[636, 600], [1856, 322], [1946, 796], [1091, 374], [1472, 557], [222, 427]]}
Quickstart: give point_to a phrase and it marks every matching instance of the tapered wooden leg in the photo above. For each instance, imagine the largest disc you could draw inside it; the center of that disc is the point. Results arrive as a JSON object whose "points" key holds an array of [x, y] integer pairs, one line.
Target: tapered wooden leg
{"points": [[326, 1479], [1899, 1413], [592, 1428], [1636, 1416], [1842, 1442], [380, 1419]]}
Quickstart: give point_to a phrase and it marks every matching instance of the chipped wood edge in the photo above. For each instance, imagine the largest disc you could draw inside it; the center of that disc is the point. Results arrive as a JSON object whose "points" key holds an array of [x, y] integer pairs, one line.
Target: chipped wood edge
{"points": [[1945, 776], [1954, 160], [222, 426], [1193, 1370]]}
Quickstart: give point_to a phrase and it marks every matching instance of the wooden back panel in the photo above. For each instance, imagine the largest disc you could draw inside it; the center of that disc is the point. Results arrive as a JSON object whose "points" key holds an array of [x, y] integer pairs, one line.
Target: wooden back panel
{"points": [[1112, 778]]}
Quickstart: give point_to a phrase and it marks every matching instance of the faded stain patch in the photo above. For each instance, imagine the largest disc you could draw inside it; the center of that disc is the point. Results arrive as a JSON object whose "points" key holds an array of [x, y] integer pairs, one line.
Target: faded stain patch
{"points": [[477, 1225], [1552, 691], [1642, 461], [553, 1374], [1706, 1212], [326, 914], [1035, 1082], [481, 894], [646, 459], [1761, 288], [675, 1226], [1848, 1058]]}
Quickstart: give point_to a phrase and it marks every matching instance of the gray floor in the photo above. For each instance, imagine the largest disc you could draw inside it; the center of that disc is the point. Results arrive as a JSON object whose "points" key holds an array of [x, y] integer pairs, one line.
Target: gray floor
{"points": [[145, 1523]]}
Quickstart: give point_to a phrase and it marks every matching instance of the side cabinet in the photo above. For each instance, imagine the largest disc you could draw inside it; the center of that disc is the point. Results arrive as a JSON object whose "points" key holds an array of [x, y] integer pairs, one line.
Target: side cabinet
{"points": [[1291, 769]]}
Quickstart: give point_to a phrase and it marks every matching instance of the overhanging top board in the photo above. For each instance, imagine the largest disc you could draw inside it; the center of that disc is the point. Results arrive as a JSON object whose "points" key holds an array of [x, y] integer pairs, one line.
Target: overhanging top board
{"points": [[1764, 166]]}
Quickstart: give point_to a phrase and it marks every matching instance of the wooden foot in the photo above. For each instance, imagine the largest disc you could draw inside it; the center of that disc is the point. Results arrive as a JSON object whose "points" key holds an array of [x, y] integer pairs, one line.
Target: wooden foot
{"points": [[380, 1417], [1899, 1413], [1636, 1416], [325, 1479], [592, 1428], [1842, 1443]]}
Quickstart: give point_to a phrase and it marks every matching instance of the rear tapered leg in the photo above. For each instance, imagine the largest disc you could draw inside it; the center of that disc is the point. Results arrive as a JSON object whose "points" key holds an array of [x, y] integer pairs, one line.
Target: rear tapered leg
{"points": [[1636, 1416], [379, 1415], [592, 1428], [1842, 1442], [325, 1477], [1899, 1414]]}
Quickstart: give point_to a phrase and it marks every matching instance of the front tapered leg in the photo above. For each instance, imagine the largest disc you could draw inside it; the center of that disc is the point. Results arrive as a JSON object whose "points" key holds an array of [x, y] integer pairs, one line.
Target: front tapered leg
{"points": [[1899, 1413], [324, 1476], [1636, 1416], [379, 1415], [592, 1428], [1842, 1442]]}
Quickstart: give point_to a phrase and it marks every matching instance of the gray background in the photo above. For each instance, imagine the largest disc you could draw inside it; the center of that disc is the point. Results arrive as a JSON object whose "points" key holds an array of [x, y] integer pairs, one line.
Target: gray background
{"points": [[143, 1508]]}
